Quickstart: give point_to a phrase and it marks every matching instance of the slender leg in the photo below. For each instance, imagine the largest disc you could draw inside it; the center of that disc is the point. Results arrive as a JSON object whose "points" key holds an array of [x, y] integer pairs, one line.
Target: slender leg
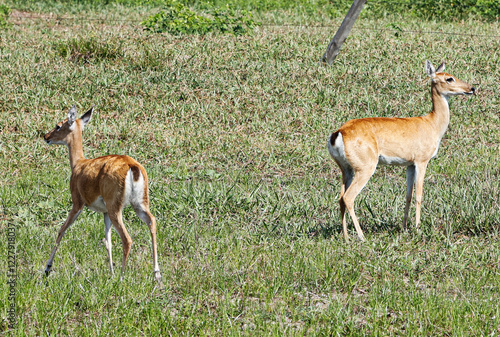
{"points": [[410, 183], [107, 240], [347, 176], [359, 181], [116, 220], [342, 213], [145, 215], [73, 214], [419, 190]]}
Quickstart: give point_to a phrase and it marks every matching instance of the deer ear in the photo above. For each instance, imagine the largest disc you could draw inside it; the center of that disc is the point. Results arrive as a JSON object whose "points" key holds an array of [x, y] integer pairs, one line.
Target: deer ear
{"points": [[72, 115], [440, 69], [86, 116], [429, 68]]}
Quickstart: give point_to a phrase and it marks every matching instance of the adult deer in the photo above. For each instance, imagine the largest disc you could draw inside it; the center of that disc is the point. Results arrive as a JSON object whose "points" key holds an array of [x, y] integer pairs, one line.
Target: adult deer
{"points": [[360, 144], [106, 184]]}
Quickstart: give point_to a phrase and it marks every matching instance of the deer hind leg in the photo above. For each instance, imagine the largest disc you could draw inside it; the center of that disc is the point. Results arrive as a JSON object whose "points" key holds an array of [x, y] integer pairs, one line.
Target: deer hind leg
{"points": [[359, 181], [145, 215], [72, 216], [419, 190], [117, 221], [347, 175], [107, 240], [410, 183]]}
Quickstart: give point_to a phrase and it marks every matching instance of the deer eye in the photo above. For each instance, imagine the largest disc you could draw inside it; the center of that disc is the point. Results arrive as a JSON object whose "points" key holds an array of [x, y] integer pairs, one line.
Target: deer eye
{"points": [[58, 127], [450, 80]]}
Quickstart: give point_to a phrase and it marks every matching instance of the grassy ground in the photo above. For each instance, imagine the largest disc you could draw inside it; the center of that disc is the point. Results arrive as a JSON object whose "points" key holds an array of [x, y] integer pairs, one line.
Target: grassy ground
{"points": [[232, 131]]}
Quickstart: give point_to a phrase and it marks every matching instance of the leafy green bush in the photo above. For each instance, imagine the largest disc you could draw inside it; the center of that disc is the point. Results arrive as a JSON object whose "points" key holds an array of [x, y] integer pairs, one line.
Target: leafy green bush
{"points": [[87, 49], [4, 16], [179, 19], [228, 20]]}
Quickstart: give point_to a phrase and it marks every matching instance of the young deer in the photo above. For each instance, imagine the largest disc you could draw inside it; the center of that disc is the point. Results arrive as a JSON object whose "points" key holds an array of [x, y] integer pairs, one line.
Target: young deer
{"points": [[360, 144], [106, 185]]}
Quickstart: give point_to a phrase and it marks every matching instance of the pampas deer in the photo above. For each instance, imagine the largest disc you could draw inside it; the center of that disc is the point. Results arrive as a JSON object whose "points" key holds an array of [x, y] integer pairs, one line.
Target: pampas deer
{"points": [[361, 144], [106, 184]]}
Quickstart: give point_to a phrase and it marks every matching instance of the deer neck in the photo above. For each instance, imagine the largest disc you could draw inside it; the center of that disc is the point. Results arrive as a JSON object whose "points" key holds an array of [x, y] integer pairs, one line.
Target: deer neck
{"points": [[75, 147], [440, 113]]}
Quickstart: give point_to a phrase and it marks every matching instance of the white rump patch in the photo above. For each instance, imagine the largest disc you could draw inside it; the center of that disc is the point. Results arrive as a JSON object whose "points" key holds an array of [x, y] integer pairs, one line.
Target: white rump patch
{"points": [[337, 151], [134, 190]]}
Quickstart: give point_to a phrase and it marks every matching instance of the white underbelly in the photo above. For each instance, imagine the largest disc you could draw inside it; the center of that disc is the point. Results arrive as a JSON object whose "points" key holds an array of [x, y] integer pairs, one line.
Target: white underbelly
{"points": [[387, 160], [98, 205]]}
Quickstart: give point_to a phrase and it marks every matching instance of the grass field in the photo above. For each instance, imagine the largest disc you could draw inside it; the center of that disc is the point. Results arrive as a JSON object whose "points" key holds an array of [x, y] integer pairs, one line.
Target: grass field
{"points": [[232, 131]]}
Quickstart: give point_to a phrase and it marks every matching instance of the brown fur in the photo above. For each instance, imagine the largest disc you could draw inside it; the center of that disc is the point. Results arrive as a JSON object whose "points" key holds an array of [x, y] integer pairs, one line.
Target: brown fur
{"points": [[104, 176], [101, 177], [413, 141]]}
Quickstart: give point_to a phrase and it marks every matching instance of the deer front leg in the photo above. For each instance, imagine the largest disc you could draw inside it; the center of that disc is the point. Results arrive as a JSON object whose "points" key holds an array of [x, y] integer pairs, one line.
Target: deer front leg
{"points": [[419, 190], [72, 216], [410, 183]]}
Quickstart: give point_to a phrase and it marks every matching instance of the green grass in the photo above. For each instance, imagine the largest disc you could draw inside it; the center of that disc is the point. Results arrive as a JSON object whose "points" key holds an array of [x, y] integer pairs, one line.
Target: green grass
{"points": [[232, 131]]}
